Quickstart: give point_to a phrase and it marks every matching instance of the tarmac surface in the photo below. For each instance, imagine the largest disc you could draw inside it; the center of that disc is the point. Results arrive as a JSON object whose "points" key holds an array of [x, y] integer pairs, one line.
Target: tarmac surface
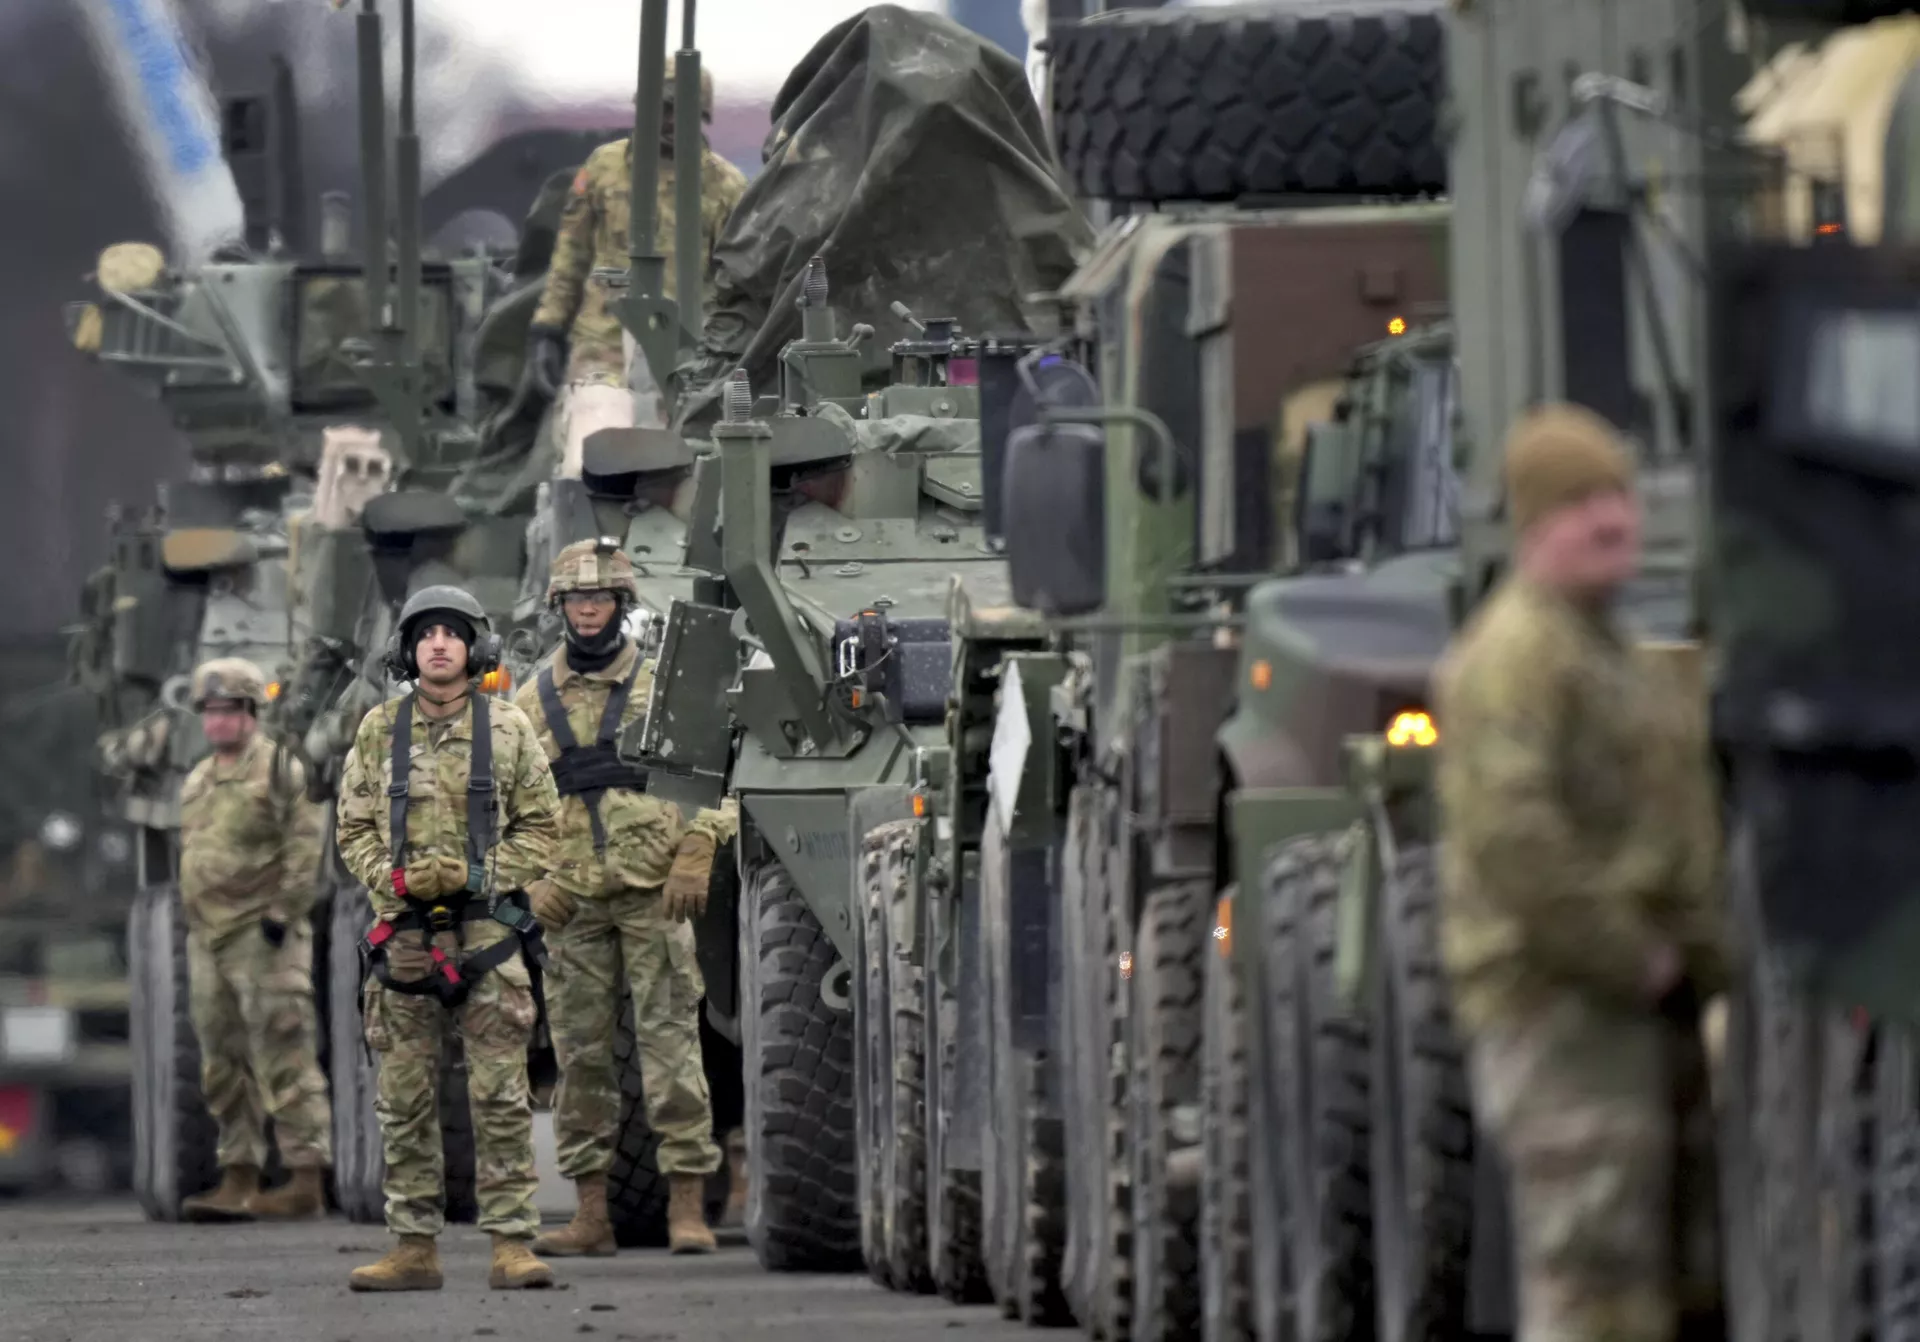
{"points": [[100, 1272]]}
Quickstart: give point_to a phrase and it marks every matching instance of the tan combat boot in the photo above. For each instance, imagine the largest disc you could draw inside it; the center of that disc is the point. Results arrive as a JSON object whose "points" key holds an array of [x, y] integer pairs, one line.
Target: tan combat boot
{"points": [[736, 1212], [302, 1196], [687, 1215], [590, 1233], [228, 1202], [515, 1268], [414, 1265]]}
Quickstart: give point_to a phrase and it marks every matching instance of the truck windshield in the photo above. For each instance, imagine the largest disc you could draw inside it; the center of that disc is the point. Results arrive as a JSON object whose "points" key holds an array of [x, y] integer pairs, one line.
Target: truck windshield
{"points": [[1431, 502]]}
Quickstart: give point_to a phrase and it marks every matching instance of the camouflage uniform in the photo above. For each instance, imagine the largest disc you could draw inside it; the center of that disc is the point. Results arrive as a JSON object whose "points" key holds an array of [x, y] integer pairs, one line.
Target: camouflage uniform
{"points": [[618, 914], [496, 1021], [1580, 832], [604, 362], [250, 845]]}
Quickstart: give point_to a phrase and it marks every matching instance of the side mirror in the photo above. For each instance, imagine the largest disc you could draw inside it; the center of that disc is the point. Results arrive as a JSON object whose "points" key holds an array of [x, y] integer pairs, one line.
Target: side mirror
{"points": [[1323, 500], [1054, 509]]}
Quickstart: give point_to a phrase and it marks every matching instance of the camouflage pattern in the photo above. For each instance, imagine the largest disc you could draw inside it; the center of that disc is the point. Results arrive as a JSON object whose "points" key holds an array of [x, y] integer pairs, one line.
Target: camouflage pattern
{"points": [[227, 678], [495, 1024], [496, 1021], [621, 918], [583, 997], [250, 842], [1578, 804], [1580, 832], [643, 832], [585, 566], [252, 1009], [593, 235]]}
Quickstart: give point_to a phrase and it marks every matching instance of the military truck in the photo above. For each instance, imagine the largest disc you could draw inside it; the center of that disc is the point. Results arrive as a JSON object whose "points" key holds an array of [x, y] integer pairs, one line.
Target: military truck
{"points": [[1363, 1204]]}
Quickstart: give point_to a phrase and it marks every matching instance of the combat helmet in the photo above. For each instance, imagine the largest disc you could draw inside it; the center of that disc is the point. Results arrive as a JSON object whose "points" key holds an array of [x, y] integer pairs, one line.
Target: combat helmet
{"points": [[228, 678], [593, 566], [483, 654], [706, 93]]}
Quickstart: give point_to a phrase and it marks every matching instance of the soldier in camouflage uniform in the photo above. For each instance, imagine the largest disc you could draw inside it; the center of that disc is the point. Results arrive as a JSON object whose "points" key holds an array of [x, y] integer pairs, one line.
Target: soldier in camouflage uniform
{"points": [[629, 876], [443, 644], [578, 351], [1582, 920], [250, 846]]}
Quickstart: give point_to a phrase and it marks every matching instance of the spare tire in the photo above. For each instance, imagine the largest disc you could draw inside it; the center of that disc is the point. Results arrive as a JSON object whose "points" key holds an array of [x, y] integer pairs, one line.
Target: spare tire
{"points": [[1225, 103]]}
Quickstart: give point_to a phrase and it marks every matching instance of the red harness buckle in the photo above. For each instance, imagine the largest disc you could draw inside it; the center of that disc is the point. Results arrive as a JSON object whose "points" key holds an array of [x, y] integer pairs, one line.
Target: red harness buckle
{"points": [[400, 882], [381, 934], [444, 964]]}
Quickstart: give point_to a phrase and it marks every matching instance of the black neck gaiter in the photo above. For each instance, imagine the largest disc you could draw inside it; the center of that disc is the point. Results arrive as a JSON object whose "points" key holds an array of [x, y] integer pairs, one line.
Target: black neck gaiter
{"points": [[596, 653]]}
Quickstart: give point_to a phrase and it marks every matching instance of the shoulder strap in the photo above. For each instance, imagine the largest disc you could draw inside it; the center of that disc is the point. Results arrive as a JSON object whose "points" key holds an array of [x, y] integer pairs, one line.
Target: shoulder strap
{"points": [[553, 710], [617, 706], [402, 776], [480, 786]]}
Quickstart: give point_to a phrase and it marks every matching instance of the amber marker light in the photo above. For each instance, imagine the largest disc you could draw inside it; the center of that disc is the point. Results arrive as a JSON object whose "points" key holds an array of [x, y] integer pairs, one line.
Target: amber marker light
{"points": [[496, 682], [273, 691], [919, 805], [1397, 326], [1412, 728], [1260, 674], [1223, 928]]}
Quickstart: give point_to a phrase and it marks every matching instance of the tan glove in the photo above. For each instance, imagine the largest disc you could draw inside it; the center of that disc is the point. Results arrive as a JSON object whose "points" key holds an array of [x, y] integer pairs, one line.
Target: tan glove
{"points": [[553, 906], [436, 876], [407, 958], [685, 893]]}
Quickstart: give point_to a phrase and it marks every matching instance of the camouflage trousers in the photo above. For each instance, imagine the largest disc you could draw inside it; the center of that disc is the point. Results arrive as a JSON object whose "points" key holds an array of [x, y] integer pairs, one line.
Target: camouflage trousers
{"points": [[252, 1009], [583, 1000], [593, 400], [1611, 1235], [408, 1036]]}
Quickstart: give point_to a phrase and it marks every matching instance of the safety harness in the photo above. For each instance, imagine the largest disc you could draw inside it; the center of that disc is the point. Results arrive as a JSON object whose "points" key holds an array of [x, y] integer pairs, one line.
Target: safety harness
{"points": [[452, 978], [589, 771]]}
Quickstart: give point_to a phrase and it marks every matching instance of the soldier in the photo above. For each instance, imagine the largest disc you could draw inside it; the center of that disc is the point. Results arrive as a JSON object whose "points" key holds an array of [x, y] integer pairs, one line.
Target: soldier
{"points": [[578, 352], [1581, 916], [250, 846], [628, 878], [445, 852]]}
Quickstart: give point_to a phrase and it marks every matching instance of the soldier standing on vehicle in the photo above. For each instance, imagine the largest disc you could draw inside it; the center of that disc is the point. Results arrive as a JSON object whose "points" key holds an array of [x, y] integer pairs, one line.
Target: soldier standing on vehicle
{"points": [[629, 876], [250, 845], [446, 844], [1582, 923], [577, 350]]}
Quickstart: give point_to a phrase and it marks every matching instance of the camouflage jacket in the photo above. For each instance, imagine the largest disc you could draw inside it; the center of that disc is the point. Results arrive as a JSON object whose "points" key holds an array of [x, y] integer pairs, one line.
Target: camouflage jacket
{"points": [[526, 818], [593, 235], [1578, 812], [250, 840], [642, 831]]}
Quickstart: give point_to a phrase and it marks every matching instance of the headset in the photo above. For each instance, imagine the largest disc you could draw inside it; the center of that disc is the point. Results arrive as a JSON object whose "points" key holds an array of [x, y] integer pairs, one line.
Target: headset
{"points": [[483, 656]]}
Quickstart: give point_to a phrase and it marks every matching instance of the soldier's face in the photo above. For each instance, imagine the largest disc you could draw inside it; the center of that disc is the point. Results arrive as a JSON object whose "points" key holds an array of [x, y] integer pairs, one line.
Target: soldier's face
{"points": [[1588, 548], [441, 656], [226, 723], [588, 612]]}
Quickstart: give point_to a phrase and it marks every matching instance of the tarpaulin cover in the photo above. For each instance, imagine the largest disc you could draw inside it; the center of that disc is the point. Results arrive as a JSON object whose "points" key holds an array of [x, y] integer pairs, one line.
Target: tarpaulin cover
{"points": [[909, 153]]}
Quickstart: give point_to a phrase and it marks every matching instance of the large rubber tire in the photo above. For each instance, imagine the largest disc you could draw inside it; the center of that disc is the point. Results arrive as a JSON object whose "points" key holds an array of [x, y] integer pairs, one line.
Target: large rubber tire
{"points": [[954, 1238], [174, 1135], [1112, 1307], [890, 1068], [1226, 1208], [360, 1163], [1896, 1188], [1225, 103], [803, 1209], [1082, 1046], [1168, 977], [1845, 1159], [1021, 1143], [1422, 1152], [1318, 1101], [636, 1190]]}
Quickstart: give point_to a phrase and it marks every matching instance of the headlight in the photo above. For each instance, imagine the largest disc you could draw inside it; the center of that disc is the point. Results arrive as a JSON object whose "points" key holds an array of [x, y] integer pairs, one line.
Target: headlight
{"points": [[36, 1034], [60, 831], [1412, 728]]}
